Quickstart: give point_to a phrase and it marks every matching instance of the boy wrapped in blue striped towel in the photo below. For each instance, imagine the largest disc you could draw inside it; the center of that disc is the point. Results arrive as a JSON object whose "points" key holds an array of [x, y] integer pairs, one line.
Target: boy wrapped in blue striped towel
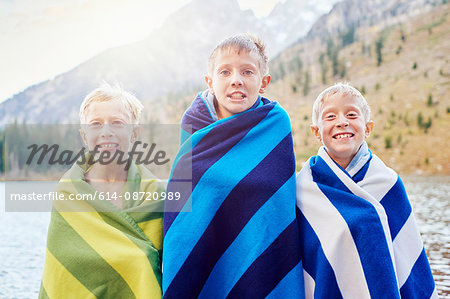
{"points": [[359, 238], [240, 240]]}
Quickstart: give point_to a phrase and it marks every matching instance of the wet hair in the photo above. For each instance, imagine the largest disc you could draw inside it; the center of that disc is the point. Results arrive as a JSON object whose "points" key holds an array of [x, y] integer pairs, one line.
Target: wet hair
{"points": [[344, 89], [239, 43], [106, 93]]}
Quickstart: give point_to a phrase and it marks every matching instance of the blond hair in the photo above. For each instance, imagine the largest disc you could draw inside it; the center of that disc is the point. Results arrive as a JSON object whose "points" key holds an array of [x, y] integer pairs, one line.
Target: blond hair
{"points": [[341, 88], [243, 42], [106, 93]]}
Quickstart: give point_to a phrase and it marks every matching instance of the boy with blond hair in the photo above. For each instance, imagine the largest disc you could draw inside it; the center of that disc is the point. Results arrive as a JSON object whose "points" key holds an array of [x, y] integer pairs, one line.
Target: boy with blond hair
{"points": [[359, 238], [105, 247], [241, 237]]}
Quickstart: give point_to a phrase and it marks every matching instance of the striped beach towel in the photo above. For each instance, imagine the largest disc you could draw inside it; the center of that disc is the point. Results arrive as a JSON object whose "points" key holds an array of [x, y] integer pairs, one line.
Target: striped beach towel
{"points": [[95, 254], [241, 238], [358, 234]]}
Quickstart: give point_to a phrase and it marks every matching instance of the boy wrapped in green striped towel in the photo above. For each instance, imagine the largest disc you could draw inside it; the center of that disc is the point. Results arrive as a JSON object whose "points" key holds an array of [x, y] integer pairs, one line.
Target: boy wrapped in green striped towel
{"points": [[99, 248]]}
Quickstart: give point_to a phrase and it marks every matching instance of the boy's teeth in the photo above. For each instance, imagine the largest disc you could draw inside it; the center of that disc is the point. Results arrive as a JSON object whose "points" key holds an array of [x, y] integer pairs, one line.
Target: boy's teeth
{"points": [[237, 96], [108, 145], [343, 136]]}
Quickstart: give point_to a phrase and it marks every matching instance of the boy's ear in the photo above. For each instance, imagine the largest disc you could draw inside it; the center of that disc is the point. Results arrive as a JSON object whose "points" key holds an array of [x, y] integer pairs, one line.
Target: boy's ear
{"points": [[369, 128], [264, 83], [315, 131], [209, 82], [136, 133]]}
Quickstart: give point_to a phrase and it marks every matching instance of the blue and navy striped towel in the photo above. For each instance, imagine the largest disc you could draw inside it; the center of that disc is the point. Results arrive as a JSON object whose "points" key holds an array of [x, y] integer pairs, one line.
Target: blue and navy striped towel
{"points": [[358, 235], [241, 238]]}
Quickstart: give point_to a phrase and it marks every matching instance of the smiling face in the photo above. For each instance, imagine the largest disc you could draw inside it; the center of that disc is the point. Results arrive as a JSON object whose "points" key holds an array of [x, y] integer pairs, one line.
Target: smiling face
{"points": [[341, 127], [108, 127], [236, 81]]}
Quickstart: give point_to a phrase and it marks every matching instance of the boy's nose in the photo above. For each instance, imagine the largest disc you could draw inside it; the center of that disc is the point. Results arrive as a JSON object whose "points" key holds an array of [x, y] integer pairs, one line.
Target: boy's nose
{"points": [[236, 80], [342, 122], [106, 131]]}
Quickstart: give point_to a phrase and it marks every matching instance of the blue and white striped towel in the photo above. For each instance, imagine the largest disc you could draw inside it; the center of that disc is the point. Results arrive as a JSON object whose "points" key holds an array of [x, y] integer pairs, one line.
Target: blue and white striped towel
{"points": [[359, 238]]}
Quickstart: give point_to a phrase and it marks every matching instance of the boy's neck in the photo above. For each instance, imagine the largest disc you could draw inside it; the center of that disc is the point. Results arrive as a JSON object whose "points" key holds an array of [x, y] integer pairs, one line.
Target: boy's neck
{"points": [[360, 157], [344, 162], [217, 109]]}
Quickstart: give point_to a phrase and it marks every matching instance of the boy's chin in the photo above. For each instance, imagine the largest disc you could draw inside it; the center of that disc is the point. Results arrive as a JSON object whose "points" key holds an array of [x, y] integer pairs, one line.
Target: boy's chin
{"points": [[342, 153]]}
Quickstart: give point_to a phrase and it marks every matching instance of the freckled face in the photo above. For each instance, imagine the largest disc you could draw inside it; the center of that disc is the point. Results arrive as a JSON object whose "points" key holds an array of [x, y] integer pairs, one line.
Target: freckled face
{"points": [[342, 128], [236, 81], [108, 127]]}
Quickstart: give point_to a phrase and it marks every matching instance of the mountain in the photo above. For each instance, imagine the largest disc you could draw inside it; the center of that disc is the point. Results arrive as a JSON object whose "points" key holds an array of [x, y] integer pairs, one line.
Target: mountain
{"points": [[368, 13], [293, 19], [171, 60], [346, 17], [396, 54]]}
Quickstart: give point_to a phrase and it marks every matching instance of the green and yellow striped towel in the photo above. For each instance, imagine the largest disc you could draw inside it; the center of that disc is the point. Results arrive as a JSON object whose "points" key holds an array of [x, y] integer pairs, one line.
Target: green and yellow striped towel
{"points": [[94, 254]]}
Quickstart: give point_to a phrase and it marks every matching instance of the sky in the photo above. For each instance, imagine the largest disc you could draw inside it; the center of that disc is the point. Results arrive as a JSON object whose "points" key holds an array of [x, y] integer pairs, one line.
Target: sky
{"points": [[40, 39]]}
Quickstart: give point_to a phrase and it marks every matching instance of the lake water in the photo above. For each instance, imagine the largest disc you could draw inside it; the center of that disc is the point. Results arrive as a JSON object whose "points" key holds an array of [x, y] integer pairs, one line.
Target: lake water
{"points": [[23, 238]]}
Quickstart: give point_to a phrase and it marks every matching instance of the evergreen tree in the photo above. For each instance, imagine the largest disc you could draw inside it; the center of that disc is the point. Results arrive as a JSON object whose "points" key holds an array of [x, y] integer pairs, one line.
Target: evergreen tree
{"points": [[323, 68], [430, 100], [379, 46], [349, 36], [306, 84]]}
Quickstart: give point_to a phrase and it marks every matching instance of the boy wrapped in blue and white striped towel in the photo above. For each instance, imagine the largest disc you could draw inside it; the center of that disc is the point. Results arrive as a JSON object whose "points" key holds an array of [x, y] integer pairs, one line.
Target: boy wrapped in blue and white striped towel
{"points": [[359, 238]]}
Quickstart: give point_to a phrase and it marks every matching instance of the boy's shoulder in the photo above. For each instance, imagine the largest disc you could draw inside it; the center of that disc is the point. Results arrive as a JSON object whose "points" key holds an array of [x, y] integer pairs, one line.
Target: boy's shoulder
{"points": [[199, 113]]}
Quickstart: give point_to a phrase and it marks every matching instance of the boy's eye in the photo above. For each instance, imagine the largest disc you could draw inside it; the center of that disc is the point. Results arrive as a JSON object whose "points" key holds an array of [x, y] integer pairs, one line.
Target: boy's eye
{"points": [[224, 72], [95, 125], [329, 116], [352, 114], [248, 72], [118, 123]]}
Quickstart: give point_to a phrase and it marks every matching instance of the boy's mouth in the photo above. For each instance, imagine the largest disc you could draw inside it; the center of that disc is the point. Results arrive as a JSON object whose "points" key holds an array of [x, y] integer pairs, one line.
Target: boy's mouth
{"points": [[236, 96], [343, 135], [108, 146]]}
